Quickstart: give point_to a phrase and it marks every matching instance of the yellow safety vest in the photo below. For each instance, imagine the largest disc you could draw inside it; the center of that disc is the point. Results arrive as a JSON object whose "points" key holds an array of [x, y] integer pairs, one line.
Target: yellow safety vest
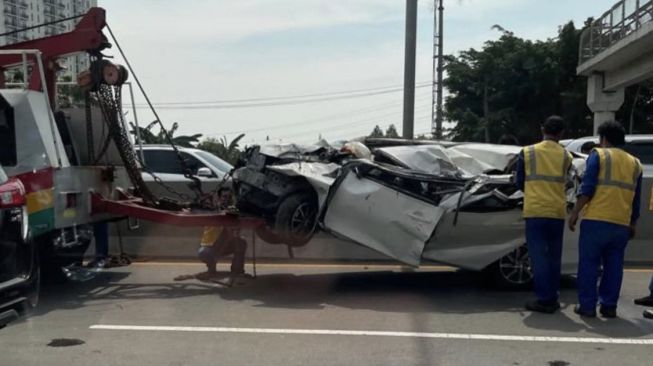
{"points": [[613, 199], [545, 167], [210, 235]]}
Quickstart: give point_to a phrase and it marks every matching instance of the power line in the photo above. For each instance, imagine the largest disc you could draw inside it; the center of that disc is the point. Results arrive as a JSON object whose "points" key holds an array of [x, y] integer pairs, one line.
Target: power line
{"points": [[279, 103], [277, 98], [354, 112], [42, 25], [366, 121]]}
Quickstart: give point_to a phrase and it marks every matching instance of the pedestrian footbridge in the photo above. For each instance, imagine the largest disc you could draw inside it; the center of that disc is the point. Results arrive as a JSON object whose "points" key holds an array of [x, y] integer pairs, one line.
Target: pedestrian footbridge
{"points": [[616, 51]]}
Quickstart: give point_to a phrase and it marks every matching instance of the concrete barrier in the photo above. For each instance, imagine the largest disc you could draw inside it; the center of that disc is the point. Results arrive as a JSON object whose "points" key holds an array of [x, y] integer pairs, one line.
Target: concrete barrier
{"points": [[155, 241]]}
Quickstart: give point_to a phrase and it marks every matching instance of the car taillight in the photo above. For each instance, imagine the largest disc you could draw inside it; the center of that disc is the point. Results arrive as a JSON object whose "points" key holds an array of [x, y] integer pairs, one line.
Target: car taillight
{"points": [[12, 194]]}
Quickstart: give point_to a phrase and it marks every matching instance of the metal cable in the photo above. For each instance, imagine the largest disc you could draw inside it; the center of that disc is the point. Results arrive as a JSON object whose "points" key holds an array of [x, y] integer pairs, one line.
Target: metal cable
{"points": [[42, 25], [187, 171]]}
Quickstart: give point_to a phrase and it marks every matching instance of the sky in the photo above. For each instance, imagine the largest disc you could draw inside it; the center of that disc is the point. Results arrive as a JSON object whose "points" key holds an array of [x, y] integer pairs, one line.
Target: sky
{"points": [[193, 51]]}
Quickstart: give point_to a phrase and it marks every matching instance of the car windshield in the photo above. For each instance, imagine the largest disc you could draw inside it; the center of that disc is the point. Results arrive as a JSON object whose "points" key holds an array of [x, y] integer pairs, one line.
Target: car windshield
{"points": [[220, 164], [325, 182]]}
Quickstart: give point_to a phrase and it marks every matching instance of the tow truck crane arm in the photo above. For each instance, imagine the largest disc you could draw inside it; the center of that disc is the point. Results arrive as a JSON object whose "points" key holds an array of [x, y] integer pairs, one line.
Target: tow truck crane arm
{"points": [[86, 37]]}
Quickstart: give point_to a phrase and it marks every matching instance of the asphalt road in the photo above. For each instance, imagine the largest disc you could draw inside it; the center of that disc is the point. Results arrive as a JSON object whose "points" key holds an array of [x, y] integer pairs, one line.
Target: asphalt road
{"points": [[316, 315]]}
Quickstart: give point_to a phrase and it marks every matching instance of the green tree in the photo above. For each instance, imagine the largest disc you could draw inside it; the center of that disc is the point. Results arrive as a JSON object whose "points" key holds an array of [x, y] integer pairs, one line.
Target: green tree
{"points": [[148, 137], [222, 148], [391, 132], [376, 132], [512, 84]]}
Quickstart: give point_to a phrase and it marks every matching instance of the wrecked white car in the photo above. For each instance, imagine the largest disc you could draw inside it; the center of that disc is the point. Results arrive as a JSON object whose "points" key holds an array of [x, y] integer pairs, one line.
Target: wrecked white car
{"points": [[455, 205]]}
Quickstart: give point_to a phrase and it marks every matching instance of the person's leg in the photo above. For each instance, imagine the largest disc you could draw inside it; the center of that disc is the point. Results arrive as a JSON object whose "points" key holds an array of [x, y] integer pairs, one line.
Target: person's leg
{"points": [[101, 236], [648, 299], [207, 255], [613, 265], [589, 258], [537, 250], [554, 257], [238, 260]]}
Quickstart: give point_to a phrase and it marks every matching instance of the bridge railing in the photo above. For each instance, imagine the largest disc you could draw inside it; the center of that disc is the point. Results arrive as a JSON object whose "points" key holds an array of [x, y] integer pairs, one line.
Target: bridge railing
{"points": [[624, 18]]}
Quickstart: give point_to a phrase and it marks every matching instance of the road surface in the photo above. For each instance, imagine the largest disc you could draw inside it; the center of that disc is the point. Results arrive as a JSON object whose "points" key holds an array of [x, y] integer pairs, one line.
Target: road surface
{"points": [[317, 315]]}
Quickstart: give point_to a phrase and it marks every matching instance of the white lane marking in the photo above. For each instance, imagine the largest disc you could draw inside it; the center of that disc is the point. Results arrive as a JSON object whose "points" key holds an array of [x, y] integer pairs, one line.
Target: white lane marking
{"points": [[374, 333]]}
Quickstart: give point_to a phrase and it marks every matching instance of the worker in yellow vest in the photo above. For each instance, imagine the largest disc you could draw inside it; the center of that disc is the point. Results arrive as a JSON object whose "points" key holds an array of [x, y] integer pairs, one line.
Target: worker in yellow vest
{"points": [[608, 201], [220, 242], [541, 174]]}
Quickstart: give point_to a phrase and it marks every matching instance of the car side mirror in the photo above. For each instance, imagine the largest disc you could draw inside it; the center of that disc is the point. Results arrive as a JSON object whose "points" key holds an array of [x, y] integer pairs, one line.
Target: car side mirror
{"points": [[204, 172]]}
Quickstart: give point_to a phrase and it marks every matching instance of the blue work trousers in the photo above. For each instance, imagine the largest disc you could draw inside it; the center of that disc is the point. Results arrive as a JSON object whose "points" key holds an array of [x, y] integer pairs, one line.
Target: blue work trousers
{"points": [[601, 244], [101, 235], [544, 240]]}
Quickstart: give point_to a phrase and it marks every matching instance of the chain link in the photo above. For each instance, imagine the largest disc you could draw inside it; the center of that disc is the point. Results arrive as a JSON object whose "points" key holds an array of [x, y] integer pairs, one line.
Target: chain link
{"points": [[108, 98]]}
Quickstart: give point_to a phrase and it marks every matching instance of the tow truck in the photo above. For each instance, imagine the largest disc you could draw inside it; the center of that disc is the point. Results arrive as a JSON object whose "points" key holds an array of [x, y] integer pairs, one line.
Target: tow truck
{"points": [[78, 169]]}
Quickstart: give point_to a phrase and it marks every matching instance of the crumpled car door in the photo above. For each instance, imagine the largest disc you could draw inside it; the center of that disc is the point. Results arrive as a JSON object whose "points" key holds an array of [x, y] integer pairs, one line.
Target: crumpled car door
{"points": [[380, 217]]}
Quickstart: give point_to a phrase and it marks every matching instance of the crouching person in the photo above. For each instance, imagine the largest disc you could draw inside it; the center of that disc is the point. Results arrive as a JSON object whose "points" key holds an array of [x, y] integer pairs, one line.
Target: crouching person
{"points": [[221, 242]]}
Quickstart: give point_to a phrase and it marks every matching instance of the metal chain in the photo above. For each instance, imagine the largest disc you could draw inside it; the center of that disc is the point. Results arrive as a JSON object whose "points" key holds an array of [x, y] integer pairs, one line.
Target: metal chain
{"points": [[107, 98], [187, 172]]}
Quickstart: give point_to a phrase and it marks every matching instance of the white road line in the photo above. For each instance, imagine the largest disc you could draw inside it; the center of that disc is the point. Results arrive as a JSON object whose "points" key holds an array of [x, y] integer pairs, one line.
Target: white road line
{"points": [[373, 333]]}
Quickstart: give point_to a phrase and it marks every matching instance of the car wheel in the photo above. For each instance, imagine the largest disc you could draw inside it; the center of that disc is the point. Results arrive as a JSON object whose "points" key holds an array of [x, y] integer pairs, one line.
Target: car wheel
{"points": [[296, 218], [513, 270]]}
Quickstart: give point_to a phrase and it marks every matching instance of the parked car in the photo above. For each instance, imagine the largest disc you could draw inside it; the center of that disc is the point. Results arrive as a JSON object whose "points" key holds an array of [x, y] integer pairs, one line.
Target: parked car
{"points": [[455, 205], [19, 262], [640, 146], [162, 161]]}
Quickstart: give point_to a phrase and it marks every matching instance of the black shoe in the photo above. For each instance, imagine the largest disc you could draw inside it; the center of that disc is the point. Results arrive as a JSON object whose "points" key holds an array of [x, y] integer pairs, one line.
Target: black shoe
{"points": [[608, 311], [583, 313], [540, 307], [648, 313], [644, 301], [98, 263]]}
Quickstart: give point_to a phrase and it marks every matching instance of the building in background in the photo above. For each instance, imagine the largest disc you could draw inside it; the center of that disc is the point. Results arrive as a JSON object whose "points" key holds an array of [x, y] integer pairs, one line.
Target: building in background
{"points": [[20, 14]]}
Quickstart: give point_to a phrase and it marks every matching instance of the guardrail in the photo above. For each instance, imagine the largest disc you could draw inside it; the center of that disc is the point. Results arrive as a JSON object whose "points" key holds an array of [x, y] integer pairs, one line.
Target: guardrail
{"points": [[624, 18]]}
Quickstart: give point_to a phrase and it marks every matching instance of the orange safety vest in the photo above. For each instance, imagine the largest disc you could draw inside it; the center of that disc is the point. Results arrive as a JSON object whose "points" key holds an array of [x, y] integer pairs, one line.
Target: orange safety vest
{"points": [[545, 166]]}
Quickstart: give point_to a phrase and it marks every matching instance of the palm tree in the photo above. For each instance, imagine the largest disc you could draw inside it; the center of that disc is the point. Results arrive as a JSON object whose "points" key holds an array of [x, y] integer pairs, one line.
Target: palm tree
{"points": [[148, 137], [222, 148]]}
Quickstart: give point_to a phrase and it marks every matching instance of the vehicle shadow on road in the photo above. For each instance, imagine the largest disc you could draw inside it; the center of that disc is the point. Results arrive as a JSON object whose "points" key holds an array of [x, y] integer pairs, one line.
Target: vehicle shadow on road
{"points": [[105, 288], [384, 291]]}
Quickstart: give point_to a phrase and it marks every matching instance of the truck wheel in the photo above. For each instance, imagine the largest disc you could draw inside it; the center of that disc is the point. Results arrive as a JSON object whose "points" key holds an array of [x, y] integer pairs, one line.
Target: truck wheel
{"points": [[296, 217], [512, 271]]}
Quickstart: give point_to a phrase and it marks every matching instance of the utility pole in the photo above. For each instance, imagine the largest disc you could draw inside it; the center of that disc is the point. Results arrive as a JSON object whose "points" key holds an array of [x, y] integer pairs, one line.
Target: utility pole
{"points": [[409, 69], [438, 67]]}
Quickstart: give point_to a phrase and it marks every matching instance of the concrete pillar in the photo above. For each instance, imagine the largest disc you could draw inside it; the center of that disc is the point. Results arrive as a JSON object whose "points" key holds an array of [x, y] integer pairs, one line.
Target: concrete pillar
{"points": [[604, 104]]}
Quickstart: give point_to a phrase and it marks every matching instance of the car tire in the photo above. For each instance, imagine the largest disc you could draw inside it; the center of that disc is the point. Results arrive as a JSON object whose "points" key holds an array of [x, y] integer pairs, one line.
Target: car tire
{"points": [[268, 235], [513, 270], [296, 217]]}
